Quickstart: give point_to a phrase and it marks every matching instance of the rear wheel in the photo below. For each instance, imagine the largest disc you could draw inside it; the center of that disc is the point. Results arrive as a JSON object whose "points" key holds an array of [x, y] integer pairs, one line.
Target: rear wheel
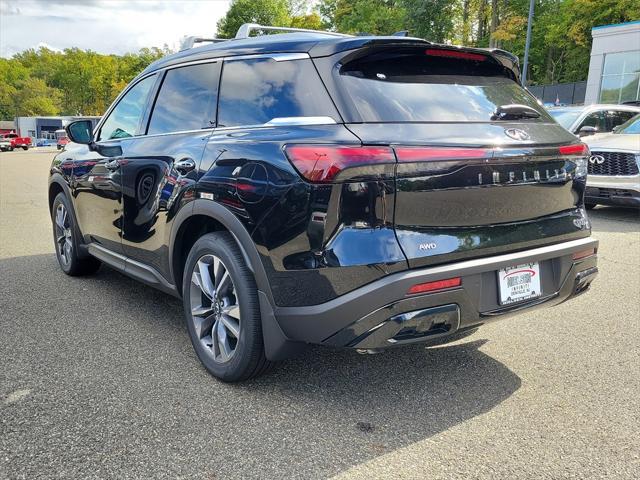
{"points": [[25, 148], [66, 242], [589, 205], [222, 310]]}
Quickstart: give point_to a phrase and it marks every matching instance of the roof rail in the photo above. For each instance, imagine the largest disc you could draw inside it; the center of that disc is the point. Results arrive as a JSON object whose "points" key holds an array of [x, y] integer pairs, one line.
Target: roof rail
{"points": [[189, 42], [245, 30]]}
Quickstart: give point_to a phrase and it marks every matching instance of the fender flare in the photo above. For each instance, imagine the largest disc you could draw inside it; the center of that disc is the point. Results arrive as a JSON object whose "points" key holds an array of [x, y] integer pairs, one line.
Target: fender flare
{"points": [[229, 221], [276, 344]]}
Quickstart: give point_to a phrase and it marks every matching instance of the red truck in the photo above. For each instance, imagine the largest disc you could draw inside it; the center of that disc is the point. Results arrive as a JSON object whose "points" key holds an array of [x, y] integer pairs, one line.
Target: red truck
{"points": [[9, 141]]}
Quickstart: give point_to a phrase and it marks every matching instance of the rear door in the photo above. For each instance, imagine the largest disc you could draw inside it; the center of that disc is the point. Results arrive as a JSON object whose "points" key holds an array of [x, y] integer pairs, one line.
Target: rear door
{"points": [[162, 164], [479, 169]]}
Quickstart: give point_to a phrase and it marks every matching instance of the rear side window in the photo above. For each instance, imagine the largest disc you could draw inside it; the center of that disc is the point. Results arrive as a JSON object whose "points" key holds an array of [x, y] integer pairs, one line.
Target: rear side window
{"points": [[617, 117], [256, 91], [186, 100], [413, 85]]}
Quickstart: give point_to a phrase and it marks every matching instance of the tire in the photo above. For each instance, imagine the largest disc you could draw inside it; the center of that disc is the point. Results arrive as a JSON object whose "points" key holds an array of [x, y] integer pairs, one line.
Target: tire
{"points": [[222, 310], [10, 149], [65, 238], [25, 148], [589, 205]]}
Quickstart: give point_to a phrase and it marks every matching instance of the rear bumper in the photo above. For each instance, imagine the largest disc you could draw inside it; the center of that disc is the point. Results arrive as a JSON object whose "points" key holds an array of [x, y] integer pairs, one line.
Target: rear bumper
{"points": [[381, 314]]}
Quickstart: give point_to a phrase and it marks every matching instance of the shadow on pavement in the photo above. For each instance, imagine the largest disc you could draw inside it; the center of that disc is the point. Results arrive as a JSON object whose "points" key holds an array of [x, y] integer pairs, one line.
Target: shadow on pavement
{"points": [[103, 382]]}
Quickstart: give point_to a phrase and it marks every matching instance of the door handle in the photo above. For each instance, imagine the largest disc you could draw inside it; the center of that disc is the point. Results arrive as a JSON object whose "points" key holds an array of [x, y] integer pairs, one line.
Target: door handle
{"points": [[112, 165], [184, 166]]}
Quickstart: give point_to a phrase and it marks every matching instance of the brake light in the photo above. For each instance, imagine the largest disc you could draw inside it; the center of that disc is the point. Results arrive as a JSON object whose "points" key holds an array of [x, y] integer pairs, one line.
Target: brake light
{"points": [[437, 52], [426, 154], [322, 163], [437, 285], [576, 149]]}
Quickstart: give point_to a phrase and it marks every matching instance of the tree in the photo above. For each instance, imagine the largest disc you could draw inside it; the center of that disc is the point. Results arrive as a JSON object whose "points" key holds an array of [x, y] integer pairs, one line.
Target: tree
{"points": [[375, 17], [263, 12], [34, 97], [430, 19]]}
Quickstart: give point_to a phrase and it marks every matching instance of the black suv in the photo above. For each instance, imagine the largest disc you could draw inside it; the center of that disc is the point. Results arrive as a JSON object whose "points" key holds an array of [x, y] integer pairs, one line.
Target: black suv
{"points": [[316, 188]]}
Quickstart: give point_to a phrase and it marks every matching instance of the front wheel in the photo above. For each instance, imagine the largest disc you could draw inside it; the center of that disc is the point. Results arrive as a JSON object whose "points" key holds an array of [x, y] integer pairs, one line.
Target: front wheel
{"points": [[222, 310], [25, 148]]}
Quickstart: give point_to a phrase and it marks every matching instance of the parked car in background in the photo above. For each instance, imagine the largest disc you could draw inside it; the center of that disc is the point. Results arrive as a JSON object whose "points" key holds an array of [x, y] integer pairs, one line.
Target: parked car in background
{"points": [[61, 139], [588, 120], [614, 166], [11, 141]]}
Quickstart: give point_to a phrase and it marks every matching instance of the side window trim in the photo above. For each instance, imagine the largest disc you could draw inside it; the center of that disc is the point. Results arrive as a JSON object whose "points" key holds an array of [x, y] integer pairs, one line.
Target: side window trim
{"points": [[151, 102]]}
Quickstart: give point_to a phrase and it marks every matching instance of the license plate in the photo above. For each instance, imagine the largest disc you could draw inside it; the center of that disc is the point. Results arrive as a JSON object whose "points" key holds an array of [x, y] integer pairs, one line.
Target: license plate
{"points": [[518, 283]]}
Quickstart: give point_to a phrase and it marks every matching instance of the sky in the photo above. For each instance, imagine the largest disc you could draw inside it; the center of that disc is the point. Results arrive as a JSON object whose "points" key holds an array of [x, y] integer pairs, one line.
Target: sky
{"points": [[104, 26]]}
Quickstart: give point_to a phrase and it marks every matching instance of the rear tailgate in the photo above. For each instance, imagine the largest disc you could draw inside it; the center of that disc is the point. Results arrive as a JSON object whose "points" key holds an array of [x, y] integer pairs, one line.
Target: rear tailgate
{"points": [[469, 182]]}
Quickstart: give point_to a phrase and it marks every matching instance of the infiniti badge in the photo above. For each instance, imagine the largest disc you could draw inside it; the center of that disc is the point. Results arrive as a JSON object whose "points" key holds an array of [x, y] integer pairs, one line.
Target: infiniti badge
{"points": [[516, 134], [596, 159]]}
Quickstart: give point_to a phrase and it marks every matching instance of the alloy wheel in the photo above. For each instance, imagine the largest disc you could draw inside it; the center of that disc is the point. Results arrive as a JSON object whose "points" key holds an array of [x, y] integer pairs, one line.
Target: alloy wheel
{"points": [[215, 312], [64, 241]]}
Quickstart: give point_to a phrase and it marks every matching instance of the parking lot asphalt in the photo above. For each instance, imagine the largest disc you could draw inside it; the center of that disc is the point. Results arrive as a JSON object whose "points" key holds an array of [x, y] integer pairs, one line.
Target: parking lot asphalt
{"points": [[98, 380]]}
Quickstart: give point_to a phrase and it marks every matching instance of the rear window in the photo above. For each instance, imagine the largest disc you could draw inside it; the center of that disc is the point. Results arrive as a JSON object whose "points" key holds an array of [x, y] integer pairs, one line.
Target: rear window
{"points": [[409, 85], [256, 91]]}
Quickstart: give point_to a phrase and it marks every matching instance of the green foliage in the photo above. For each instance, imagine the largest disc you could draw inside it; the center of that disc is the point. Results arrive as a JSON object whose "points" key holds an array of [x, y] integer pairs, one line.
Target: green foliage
{"points": [[430, 19], [264, 12], [375, 17], [44, 82]]}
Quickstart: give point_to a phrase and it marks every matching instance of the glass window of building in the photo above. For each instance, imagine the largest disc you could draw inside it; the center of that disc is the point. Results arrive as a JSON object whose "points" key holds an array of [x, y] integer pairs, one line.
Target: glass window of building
{"points": [[620, 77]]}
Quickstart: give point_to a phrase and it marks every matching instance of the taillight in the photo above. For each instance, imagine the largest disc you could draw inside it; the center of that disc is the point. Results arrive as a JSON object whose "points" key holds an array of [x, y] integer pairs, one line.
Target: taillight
{"points": [[426, 154], [322, 163], [439, 52], [433, 286], [576, 149]]}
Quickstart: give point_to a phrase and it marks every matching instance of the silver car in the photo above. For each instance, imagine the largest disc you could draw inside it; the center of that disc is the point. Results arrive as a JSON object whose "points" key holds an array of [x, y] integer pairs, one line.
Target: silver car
{"points": [[587, 120], [614, 166]]}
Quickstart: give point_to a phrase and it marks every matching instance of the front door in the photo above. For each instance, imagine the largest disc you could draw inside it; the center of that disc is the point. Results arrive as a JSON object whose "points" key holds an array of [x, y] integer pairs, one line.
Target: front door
{"points": [[96, 179]]}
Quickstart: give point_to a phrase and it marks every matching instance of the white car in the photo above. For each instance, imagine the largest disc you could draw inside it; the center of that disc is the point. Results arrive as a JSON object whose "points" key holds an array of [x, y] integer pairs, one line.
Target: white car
{"points": [[587, 120], [614, 166]]}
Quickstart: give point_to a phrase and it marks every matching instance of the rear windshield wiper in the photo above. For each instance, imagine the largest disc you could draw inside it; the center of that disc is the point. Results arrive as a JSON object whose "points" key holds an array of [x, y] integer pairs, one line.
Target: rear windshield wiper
{"points": [[514, 112]]}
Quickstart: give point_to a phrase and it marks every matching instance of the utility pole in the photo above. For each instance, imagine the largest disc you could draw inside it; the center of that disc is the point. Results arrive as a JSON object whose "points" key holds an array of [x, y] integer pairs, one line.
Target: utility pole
{"points": [[528, 42]]}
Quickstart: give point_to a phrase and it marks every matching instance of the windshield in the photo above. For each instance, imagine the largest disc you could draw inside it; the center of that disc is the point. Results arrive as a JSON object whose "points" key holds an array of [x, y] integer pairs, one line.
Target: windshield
{"points": [[565, 116], [409, 85], [631, 126]]}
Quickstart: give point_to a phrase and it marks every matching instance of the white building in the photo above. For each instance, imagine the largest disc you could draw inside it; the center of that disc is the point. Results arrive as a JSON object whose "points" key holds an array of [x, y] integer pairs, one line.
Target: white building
{"points": [[614, 68]]}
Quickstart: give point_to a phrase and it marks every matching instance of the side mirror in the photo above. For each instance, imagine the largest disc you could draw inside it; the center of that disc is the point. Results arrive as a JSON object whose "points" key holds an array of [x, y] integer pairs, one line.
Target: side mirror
{"points": [[587, 130], [80, 131]]}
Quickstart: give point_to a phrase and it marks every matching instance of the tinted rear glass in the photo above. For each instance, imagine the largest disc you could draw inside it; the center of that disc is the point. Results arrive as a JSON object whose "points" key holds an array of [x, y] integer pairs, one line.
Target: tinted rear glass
{"points": [[187, 99], [254, 92], [407, 85]]}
